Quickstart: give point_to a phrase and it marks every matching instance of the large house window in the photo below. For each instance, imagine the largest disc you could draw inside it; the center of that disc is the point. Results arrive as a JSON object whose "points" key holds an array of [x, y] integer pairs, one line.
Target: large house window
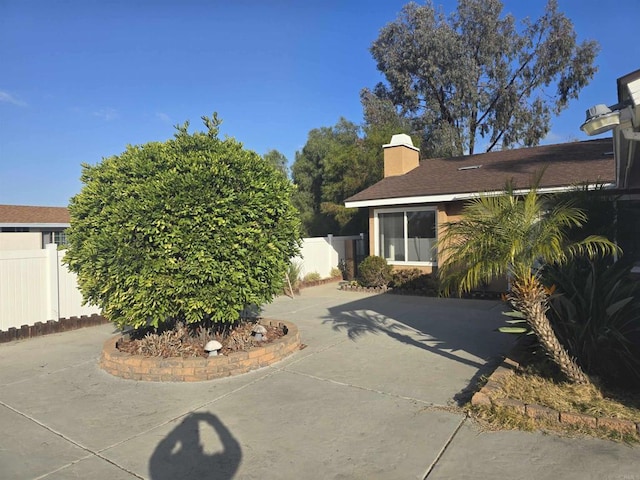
{"points": [[407, 235]]}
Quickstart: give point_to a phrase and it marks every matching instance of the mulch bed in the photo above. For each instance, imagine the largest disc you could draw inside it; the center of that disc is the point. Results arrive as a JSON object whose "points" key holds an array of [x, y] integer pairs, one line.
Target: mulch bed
{"points": [[183, 341]]}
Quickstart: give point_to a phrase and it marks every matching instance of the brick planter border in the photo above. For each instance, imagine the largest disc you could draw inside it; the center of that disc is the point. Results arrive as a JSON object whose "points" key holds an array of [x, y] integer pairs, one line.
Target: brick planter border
{"points": [[197, 369], [483, 398]]}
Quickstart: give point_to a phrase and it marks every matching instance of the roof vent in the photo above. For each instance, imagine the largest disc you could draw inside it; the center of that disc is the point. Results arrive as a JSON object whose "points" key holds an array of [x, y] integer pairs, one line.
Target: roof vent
{"points": [[471, 167]]}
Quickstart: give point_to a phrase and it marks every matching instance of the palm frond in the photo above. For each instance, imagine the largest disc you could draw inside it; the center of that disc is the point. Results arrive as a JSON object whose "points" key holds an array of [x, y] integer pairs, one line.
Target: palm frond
{"points": [[505, 233]]}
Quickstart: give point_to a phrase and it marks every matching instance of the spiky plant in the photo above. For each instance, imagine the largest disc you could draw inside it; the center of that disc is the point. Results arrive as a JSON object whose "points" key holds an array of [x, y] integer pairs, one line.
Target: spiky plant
{"points": [[514, 235]]}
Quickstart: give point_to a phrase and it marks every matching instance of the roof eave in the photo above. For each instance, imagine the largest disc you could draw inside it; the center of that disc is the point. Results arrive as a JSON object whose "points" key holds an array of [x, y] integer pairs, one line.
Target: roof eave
{"points": [[34, 225], [452, 197]]}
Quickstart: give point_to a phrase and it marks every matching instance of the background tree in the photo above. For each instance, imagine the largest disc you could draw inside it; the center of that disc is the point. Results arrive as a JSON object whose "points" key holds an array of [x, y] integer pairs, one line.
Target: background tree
{"points": [[509, 235], [277, 160], [191, 229], [339, 161], [473, 75]]}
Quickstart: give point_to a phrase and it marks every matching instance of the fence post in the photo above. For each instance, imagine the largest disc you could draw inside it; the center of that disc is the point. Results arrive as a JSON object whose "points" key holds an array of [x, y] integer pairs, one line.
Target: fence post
{"points": [[330, 252], [53, 290]]}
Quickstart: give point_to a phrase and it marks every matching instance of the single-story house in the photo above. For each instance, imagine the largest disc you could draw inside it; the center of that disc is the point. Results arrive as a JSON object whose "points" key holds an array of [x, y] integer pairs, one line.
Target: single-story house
{"points": [[29, 227], [410, 205]]}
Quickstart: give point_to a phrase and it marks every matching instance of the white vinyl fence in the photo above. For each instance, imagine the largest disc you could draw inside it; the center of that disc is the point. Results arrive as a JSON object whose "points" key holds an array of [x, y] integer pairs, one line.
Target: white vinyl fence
{"points": [[321, 254], [35, 287]]}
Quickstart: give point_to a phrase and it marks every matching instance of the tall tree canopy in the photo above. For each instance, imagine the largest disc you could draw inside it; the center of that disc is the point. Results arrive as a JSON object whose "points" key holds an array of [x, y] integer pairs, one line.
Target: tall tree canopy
{"points": [[475, 74], [337, 162]]}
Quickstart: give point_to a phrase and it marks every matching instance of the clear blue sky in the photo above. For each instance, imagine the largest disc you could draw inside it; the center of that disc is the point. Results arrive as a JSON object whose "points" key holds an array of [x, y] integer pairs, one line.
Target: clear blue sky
{"points": [[79, 80]]}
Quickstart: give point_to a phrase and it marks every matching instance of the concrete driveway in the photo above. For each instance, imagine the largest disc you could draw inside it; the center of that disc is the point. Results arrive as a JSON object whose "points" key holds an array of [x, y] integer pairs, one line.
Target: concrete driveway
{"points": [[370, 397]]}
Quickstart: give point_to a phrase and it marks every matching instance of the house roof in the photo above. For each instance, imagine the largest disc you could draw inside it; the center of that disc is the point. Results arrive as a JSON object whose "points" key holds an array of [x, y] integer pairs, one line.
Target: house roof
{"points": [[29, 215], [437, 179]]}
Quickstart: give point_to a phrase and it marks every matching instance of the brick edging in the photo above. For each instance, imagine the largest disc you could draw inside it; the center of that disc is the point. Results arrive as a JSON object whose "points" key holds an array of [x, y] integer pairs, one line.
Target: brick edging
{"points": [[197, 369], [316, 283], [506, 368], [358, 288], [51, 326]]}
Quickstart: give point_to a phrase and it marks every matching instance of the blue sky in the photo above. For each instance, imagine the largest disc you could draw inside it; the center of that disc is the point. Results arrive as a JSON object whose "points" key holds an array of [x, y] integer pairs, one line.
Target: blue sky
{"points": [[79, 80]]}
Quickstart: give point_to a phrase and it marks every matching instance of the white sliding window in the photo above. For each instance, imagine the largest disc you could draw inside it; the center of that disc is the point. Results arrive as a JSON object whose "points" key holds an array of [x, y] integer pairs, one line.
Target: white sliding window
{"points": [[406, 236]]}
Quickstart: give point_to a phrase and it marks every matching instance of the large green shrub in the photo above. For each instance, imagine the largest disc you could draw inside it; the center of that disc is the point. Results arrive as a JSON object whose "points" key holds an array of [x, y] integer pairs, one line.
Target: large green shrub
{"points": [[191, 229], [374, 272]]}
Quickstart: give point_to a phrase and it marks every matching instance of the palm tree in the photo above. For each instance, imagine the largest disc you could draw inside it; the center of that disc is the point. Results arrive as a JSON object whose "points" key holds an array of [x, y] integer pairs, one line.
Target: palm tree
{"points": [[515, 236]]}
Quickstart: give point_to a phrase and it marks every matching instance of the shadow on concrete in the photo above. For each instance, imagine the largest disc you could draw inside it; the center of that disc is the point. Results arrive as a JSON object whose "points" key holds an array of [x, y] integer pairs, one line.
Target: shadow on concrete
{"points": [[183, 454], [451, 328]]}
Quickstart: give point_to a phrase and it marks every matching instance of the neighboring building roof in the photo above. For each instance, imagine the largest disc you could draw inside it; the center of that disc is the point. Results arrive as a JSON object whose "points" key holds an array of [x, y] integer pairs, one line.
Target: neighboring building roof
{"points": [[445, 179], [22, 215]]}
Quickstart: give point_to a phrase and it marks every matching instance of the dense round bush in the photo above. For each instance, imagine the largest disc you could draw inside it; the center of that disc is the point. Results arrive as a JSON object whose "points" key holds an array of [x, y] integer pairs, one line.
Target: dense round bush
{"points": [[374, 272], [192, 229]]}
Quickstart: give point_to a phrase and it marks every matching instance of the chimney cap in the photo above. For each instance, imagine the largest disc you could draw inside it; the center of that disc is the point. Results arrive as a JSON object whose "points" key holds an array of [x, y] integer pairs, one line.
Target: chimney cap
{"points": [[401, 139]]}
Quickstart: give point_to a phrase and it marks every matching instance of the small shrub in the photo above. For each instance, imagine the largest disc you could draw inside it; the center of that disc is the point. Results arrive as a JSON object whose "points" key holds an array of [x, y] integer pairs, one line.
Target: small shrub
{"points": [[413, 280], [403, 277], [374, 272], [311, 277], [335, 272]]}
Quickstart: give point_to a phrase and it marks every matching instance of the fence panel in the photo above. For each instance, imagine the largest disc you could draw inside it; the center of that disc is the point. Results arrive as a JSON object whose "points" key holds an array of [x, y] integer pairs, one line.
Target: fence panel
{"points": [[321, 254], [69, 297], [35, 287], [23, 287]]}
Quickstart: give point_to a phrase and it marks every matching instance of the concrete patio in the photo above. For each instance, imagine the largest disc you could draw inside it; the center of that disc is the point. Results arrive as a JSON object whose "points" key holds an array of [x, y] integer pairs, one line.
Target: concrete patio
{"points": [[372, 396]]}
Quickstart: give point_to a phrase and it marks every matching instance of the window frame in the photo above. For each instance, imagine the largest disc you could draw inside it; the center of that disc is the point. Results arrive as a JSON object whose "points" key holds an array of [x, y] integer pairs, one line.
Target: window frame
{"points": [[404, 211]]}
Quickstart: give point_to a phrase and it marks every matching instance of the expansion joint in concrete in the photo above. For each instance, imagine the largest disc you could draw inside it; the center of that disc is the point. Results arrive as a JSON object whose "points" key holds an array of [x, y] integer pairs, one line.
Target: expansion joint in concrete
{"points": [[444, 448]]}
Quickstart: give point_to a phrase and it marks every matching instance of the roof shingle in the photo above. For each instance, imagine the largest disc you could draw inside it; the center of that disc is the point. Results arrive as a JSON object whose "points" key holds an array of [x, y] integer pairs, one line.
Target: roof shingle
{"points": [[36, 215], [565, 164]]}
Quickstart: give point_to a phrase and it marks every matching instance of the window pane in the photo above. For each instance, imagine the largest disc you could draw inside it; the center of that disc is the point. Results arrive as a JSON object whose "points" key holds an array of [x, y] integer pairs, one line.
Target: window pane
{"points": [[60, 238], [422, 236], [391, 239]]}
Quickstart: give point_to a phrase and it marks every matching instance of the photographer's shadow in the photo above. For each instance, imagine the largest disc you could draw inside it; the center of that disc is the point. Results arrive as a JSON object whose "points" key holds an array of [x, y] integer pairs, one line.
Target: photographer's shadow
{"points": [[184, 453]]}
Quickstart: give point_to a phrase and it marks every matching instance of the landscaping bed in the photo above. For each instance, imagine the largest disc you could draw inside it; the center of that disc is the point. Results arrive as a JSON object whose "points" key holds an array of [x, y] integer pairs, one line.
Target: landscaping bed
{"points": [[526, 392], [183, 341], [197, 368]]}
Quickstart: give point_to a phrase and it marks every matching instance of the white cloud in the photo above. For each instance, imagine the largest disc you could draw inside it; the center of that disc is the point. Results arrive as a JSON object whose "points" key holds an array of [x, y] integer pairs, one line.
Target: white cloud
{"points": [[107, 114], [6, 97], [163, 117]]}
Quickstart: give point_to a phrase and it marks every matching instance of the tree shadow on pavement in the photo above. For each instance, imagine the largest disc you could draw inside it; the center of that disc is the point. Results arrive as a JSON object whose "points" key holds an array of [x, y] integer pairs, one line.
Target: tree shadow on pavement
{"points": [[460, 330], [184, 453]]}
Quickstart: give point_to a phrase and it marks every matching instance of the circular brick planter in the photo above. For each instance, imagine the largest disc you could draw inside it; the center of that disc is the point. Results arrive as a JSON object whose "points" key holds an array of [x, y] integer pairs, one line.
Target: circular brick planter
{"points": [[197, 369]]}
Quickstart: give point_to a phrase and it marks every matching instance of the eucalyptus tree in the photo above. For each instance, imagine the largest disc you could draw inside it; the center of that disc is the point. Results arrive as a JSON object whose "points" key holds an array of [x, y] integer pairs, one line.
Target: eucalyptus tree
{"points": [[477, 78]]}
